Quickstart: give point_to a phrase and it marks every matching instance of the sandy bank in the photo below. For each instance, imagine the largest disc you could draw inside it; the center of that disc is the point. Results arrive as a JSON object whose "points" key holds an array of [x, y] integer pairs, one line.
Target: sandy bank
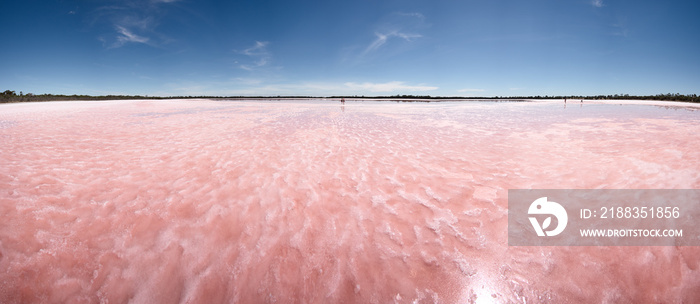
{"points": [[631, 102]]}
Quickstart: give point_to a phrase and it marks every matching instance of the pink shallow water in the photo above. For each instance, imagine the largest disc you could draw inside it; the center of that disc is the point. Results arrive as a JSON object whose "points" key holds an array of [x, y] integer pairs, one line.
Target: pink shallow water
{"points": [[310, 202]]}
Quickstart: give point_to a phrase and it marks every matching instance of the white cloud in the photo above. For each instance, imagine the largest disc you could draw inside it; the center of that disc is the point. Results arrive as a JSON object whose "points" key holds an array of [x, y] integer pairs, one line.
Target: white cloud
{"points": [[247, 81], [408, 37], [392, 86], [417, 15], [126, 35], [146, 24], [259, 55], [382, 39], [470, 90], [620, 28], [597, 3], [259, 49], [261, 87], [406, 26], [133, 21]]}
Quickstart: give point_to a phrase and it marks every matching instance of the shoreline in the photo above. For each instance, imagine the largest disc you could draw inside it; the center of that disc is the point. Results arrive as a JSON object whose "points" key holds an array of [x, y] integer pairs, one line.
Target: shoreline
{"points": [[661, 103]]}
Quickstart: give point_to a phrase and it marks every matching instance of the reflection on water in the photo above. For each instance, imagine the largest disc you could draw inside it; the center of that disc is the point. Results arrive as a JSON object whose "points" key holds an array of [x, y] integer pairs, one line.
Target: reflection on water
{"points": [[295, 201]]}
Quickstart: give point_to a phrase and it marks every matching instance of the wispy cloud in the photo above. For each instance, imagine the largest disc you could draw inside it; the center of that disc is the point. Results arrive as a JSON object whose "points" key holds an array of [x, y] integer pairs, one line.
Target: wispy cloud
{"points": [[417, 15], [258, 55], [383, 37], [470, 90], [251, 86], [132, 22], [258, 49], [400, 26], [387, 87], [126, 35], [247, 81], [620, 28], [597, 3], [132, 30]]}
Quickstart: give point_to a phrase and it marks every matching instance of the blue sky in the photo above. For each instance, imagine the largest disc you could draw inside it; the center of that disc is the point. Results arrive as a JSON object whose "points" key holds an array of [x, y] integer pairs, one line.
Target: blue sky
{"points": [[356, 47]]}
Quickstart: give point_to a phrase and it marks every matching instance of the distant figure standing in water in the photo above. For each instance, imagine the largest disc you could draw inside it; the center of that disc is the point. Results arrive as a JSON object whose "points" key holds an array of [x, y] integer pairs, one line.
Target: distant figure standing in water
{"points": [[342, 100]]}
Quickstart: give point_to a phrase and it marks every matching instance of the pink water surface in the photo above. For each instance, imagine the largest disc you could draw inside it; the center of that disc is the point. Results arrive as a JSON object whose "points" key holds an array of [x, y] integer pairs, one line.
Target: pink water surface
{"points": [[200, 201]]}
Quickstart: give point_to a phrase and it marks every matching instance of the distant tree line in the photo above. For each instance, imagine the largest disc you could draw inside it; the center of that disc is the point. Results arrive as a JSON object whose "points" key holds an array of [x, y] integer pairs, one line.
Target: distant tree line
{"points": [[661, 97], [12, 96]]}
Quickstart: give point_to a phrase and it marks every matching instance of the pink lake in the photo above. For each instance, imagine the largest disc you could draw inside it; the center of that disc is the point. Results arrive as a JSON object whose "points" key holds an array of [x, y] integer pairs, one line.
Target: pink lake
{"points": [[308, 201]]}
